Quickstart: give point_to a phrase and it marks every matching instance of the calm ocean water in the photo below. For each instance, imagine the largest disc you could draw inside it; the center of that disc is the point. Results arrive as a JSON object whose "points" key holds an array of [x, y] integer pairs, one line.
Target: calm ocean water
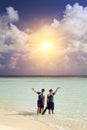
{"points": [[70, 101]]}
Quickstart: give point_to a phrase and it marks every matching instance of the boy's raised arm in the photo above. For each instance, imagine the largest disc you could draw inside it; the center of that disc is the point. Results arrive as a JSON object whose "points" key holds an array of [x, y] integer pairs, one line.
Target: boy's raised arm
{"points": [[34, 90], [56, 90]]}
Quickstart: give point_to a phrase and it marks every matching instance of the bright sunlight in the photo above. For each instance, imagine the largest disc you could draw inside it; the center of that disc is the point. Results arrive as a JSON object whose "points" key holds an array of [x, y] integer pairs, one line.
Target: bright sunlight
{"points": [[46, 46]]}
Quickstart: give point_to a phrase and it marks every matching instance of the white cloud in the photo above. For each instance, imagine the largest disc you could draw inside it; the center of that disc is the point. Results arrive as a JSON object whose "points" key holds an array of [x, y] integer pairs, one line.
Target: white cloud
{"points": [[12, 14], [11, 38], [55, 23], [73, 53], [13, 63], [19, 39], [74, 27], [74, 24]]}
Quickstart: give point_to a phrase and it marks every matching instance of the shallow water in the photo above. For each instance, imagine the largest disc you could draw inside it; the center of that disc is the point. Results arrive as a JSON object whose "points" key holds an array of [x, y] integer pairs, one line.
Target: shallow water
{"points": [[70, 101]]}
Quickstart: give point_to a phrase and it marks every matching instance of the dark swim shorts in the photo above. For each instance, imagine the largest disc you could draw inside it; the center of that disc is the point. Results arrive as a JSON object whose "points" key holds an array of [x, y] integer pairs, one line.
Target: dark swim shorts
{"points": [[51, 105], [40, 104]]}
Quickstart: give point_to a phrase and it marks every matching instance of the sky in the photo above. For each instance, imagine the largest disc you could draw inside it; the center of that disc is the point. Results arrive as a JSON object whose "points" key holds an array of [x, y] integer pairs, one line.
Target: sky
{"points": [[43, 37]]}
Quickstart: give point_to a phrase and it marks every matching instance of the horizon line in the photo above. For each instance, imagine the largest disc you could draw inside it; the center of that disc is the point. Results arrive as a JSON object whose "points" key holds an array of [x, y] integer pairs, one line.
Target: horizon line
{"points": [[43, 76]]}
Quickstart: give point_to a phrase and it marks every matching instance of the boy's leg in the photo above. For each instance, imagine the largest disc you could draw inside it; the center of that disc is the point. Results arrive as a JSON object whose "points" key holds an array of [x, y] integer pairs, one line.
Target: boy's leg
{"points": [[49, 111], [53, 108], [38, 107], [41, 110], [52, 111], [38, 110]]}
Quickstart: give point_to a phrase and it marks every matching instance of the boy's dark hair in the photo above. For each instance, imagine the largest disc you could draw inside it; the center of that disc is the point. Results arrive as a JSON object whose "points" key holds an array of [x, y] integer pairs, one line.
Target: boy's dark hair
{"points": [[50, 90], [42, 90]]}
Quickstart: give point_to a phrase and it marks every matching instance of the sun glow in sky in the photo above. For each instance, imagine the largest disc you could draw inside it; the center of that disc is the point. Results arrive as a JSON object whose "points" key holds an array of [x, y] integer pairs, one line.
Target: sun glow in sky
{"points": [[46, 46], [46, 39], [39, 43], [45, 43]]}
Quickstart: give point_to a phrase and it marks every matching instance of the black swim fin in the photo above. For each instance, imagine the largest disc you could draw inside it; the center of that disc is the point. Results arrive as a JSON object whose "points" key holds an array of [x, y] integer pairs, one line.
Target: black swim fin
{"points": [[44, 110]]}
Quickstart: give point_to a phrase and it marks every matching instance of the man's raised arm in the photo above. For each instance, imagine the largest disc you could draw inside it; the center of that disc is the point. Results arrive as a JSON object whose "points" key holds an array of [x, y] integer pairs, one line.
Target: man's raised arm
{"points": [[56, 90], [34, 90]]}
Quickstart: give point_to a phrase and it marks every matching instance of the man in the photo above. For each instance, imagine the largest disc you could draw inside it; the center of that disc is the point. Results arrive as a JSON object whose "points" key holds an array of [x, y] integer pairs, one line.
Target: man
{"points": [[50, 100], [40, 101]]}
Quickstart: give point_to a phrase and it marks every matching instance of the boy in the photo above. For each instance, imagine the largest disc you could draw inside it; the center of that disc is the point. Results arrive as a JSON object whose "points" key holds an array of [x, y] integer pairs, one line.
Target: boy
{"points": [[40, 101], [50, 100]]}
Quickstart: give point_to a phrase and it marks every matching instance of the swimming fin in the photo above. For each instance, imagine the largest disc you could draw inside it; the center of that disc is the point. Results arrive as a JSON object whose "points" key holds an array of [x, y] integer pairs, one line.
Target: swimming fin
{"points": [[44, 110]]}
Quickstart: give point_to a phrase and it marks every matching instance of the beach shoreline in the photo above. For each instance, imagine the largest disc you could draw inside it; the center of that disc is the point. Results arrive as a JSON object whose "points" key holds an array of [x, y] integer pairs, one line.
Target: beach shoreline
{"points": [[21, 120], [11, 121]]}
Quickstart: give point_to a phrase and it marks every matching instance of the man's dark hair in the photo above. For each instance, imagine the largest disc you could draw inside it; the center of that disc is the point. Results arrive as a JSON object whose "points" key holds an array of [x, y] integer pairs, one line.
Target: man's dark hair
{"points": [[50, 90], [42, 90]]}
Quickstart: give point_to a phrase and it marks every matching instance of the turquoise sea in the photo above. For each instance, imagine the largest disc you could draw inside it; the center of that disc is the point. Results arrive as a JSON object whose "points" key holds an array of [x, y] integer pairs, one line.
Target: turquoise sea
{"points": [[70, 102]]}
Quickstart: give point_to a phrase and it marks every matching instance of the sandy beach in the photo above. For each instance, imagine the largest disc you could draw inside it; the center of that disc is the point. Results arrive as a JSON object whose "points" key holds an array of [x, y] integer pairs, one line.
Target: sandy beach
{"points": [[11, 121]]}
